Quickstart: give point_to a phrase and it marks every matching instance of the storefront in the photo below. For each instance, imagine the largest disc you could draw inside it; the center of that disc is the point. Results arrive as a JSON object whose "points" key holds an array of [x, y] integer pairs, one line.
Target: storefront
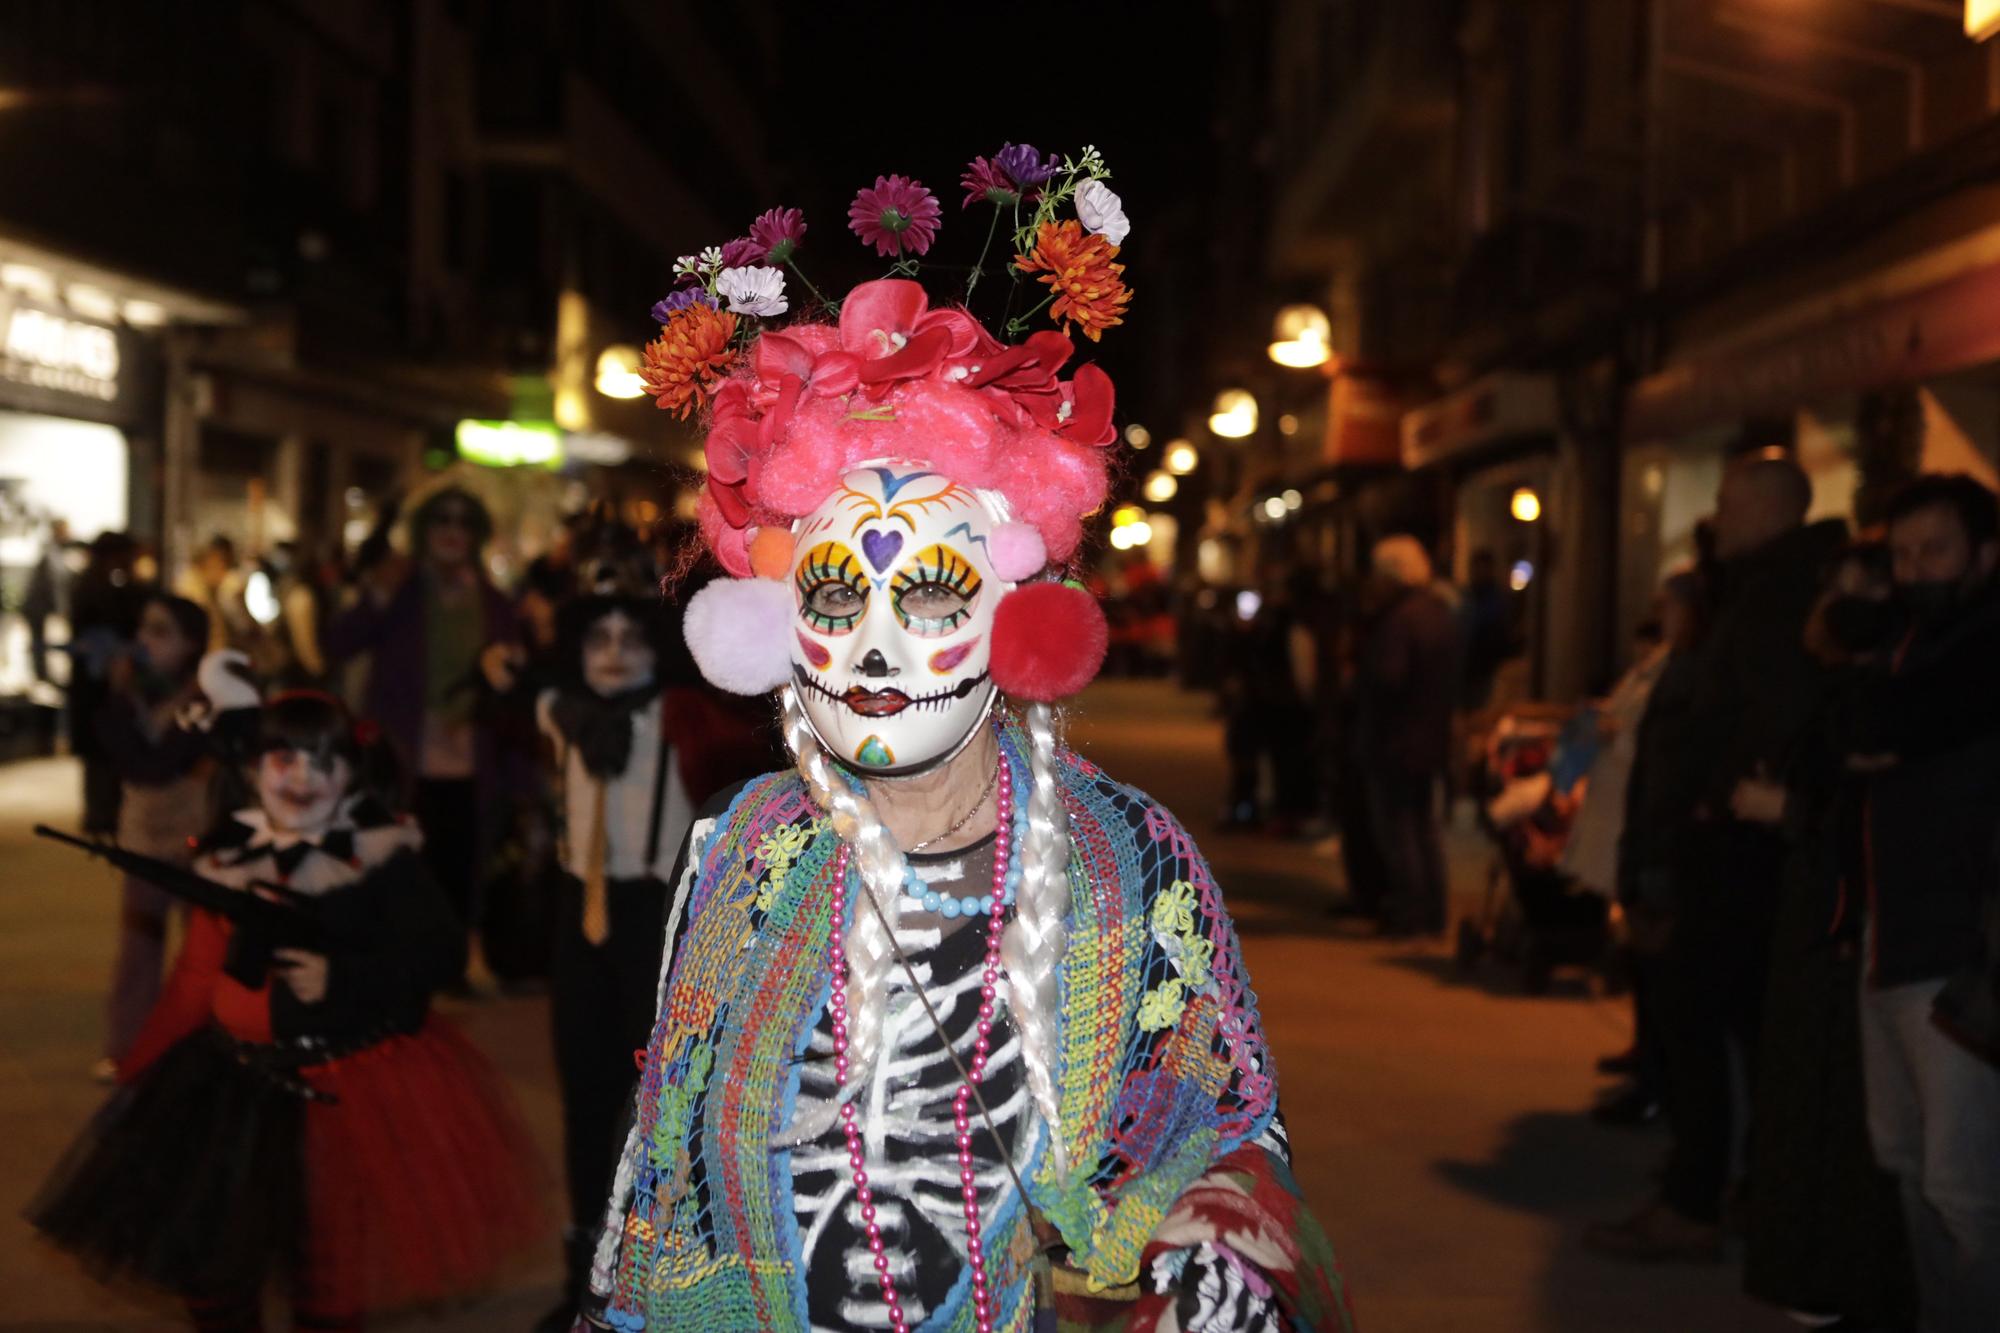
{"points": [[80, 410], [1513, 507], [1867, 383]]}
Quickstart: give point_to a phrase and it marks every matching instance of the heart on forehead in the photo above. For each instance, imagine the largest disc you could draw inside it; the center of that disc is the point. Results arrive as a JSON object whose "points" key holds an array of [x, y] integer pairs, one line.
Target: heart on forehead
{"points": [[880, 547]]}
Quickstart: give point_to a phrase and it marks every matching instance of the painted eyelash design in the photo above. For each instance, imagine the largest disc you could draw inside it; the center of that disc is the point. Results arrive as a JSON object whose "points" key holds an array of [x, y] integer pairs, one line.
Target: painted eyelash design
{"points": [[829, 562], [936, 564]]}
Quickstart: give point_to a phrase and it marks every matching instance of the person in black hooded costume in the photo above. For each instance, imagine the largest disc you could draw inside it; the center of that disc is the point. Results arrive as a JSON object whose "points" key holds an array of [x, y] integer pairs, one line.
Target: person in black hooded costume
{"points": [[638, 747]]}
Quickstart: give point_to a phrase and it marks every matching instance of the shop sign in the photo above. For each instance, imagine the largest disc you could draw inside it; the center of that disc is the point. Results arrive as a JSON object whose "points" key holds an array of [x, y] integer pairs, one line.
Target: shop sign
{"points": [[511, 443], [1363, 420], [1937, 330], [54, 351], [1488, 411]]}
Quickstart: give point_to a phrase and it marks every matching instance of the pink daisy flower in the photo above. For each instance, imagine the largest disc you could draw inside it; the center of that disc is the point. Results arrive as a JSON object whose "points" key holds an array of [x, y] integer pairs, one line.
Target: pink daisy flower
{"points": [[896, 215], [780, 231]]}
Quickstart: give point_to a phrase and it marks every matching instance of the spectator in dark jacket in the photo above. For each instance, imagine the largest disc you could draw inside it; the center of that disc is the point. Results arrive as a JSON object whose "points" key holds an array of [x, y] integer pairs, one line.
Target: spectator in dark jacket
{"points": [[1923, 871], [1406, 685], [440, 637], [1754, 688]]}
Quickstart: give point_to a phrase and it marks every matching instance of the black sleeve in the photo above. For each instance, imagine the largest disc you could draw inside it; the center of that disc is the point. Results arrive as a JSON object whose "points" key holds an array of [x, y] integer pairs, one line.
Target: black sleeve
{"points": [[395, 941]]}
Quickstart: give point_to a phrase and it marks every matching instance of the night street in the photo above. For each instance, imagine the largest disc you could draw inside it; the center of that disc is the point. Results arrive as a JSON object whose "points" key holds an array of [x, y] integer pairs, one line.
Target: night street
{"points": [[1438, 1124]]}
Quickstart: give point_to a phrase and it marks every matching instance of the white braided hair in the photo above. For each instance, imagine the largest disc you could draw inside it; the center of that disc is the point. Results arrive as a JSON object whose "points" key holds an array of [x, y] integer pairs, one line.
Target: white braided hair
{"points": [[1031, 948]]}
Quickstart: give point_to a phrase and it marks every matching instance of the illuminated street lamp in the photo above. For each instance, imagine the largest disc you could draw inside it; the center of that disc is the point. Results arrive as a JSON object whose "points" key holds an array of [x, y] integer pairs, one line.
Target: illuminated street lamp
{"points": [[1982, 19], [1234, 416], [1301, 337], [1160, 487], [1181, 458], [1525, 504], [618, 372]]}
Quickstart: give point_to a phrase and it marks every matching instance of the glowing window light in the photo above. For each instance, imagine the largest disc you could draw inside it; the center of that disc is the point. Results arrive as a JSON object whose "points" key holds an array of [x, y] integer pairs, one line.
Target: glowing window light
{"points": [[1138, 436], [511, 443], [1274, 508], [1521, 575], [1525, 505], [1161, 487], [1124, 516], [1181, 458]]}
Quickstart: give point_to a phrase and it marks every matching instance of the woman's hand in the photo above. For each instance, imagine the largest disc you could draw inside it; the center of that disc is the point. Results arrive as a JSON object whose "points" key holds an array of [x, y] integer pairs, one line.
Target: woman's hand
{"points": [[304, 972]]}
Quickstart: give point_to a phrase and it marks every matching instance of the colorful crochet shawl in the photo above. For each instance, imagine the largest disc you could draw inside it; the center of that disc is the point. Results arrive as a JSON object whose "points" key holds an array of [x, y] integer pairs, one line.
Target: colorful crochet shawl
{"points": [[1163, 1075]]}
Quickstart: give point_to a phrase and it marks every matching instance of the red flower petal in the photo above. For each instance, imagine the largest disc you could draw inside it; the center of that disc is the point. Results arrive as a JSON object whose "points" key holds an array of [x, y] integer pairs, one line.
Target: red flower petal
{"points": [[876, 310], [836, 373], [923, 353], [1091, 399]]}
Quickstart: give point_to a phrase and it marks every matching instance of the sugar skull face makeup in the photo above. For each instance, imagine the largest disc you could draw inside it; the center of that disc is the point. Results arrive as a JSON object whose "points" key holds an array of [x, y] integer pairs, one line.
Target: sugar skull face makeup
{"points": [[895, 591]]}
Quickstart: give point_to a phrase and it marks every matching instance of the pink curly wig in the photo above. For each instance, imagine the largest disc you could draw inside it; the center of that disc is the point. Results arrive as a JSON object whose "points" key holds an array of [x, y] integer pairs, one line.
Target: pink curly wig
{"points": [[896, 379]]}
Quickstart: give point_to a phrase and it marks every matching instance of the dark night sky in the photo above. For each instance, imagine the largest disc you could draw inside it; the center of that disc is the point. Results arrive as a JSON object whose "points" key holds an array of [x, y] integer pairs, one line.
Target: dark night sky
{"points": [[921, 90]]}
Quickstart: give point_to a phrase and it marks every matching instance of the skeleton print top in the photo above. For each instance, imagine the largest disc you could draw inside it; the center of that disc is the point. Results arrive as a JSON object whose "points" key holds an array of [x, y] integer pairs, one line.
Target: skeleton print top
{"points": [[906, 1123]]}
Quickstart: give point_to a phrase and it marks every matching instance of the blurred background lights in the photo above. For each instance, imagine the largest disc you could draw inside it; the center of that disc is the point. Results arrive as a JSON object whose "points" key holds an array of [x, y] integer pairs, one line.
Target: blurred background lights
{"points": [[1234, 416]]}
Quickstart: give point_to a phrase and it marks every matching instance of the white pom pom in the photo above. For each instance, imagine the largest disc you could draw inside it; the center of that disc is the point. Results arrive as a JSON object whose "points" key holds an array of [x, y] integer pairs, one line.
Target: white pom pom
{"points": [[224, 676], [739, 632]]}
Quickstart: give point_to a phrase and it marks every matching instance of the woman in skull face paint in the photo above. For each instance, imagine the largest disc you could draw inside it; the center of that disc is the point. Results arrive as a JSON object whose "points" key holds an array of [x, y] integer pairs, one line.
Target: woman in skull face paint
{"points": [[292, 1110], [953, 1029]]}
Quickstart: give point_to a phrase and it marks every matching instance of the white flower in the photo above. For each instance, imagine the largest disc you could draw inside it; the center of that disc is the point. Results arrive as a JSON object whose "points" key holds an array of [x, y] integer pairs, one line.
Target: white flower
{"points": [[711, 259], [687, 264], [758, 290], [1102, 212]]}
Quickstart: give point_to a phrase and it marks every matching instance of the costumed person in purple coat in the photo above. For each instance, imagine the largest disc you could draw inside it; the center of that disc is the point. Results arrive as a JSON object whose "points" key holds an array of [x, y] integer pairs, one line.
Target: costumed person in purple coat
{"points": [[953, 1028], [431, 627]]}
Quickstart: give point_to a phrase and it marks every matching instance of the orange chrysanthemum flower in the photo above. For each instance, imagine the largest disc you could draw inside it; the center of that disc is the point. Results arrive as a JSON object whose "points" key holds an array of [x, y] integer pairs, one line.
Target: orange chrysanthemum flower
{"points": [[1089, 291], [682, 366]]}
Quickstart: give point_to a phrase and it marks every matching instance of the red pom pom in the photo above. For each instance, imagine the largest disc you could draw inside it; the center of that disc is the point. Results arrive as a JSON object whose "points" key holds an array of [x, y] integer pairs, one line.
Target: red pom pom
{"points": [[1048, 642]]}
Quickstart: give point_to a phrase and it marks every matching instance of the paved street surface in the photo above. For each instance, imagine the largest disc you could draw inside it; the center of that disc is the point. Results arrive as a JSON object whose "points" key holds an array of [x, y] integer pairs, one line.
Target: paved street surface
{"points": [[1438, 1121]]}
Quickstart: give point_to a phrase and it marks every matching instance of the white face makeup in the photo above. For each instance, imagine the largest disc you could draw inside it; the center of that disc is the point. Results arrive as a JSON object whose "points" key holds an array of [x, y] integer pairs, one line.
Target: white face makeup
{"points": [[895, 594], [300, 791], [617, 656]]}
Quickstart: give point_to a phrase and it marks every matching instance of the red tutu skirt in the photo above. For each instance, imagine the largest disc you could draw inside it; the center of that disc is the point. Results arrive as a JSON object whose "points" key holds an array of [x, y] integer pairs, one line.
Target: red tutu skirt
{"points": [[420, 1179]]}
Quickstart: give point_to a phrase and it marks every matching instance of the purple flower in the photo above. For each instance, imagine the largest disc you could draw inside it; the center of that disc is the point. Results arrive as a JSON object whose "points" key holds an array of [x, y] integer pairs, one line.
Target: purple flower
{"points": [[681, 300], [896, 215], [1023, 165], [742, 252], [780, 231]]}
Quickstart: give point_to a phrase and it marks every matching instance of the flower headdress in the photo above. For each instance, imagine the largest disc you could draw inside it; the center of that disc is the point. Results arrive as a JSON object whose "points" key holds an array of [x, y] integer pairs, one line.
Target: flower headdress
{"points": [[884, 373]]}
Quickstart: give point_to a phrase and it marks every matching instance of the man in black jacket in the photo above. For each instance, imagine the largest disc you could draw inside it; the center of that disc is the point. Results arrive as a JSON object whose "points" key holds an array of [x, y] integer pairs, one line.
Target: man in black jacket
{"points": [[1753, 689], [1406, 683], [1923, 871]]}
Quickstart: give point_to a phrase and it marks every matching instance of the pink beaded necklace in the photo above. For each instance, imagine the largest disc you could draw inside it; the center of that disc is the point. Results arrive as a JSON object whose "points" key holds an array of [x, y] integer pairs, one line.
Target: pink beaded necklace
{"points": [[982, 1299]]}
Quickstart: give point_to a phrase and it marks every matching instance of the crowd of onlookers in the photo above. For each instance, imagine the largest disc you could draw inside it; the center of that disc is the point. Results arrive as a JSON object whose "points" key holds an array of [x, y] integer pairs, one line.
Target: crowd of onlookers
{"points": [[1806, 856], [1786, 817]]}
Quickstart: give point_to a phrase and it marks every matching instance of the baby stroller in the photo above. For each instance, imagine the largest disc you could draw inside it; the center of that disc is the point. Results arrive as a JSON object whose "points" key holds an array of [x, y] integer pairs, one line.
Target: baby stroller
{"points": [[1531, 779]]}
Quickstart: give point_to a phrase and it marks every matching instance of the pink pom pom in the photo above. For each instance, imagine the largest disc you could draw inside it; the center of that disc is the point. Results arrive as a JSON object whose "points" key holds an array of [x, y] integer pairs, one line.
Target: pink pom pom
{"points": [[739, 631], [1048, 642], [1018, 552]]}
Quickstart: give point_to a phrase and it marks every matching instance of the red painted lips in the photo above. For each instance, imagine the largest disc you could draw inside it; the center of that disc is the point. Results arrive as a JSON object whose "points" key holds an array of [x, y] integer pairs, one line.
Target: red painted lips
{"points": [[876, 703]]}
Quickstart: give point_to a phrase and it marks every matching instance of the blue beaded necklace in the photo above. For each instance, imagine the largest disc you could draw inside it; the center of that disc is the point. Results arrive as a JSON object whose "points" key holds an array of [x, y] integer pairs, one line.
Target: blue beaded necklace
{"points": [[952, 906]]}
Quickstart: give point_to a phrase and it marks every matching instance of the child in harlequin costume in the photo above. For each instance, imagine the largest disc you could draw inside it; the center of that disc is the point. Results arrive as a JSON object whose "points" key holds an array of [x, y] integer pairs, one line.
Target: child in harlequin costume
{"points": [[994, 1068], [295, 1115], [635, 751]]}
